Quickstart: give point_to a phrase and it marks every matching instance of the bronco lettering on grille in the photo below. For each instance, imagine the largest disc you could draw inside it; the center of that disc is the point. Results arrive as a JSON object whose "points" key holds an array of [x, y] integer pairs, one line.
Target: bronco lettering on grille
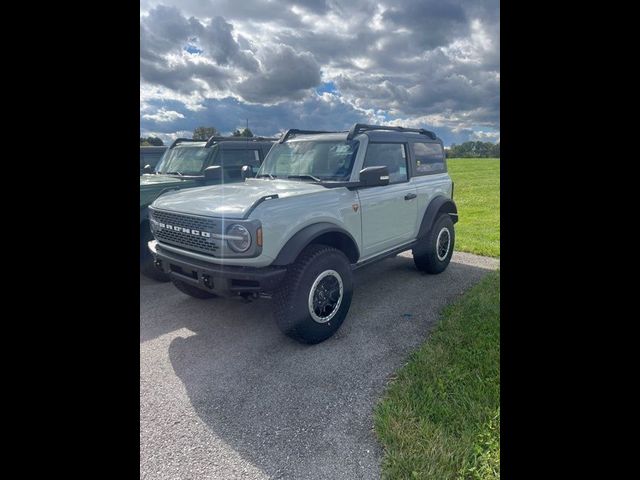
{"points": [[197, 233]]}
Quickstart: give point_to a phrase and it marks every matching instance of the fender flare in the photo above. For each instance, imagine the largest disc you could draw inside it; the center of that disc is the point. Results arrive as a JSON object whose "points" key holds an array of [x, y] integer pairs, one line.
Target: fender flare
{"points": [[438, 205], [290, 251]]}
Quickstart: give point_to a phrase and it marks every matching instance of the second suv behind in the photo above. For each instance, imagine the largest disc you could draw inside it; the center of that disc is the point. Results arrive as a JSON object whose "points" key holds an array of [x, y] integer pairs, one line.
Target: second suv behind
{"points": [[195, 163]]}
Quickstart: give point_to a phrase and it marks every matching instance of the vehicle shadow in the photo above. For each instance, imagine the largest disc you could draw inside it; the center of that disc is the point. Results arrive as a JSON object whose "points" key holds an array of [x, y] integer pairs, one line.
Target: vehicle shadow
{"points": [[297, 411]]}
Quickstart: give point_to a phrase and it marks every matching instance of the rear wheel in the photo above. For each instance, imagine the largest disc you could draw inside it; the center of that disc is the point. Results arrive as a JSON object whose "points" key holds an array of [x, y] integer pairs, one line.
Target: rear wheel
{"points": [[192, 291], [434, 252], [315, 296], [147, 268]]}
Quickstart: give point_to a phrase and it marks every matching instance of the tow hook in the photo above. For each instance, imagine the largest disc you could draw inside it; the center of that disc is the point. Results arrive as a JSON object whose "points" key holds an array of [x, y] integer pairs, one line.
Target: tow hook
{"points": [[206, 279], [248, 296], [158, 263]]}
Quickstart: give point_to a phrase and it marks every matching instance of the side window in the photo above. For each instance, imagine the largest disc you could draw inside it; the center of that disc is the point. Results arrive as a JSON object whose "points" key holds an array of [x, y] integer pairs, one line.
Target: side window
{"points": [[390, 155], [429, 158], [238, 158]]}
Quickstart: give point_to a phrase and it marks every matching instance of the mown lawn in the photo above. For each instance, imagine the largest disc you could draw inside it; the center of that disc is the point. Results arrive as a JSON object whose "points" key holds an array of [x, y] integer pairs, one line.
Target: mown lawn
{"points": [[440, 416], [477, 195]]}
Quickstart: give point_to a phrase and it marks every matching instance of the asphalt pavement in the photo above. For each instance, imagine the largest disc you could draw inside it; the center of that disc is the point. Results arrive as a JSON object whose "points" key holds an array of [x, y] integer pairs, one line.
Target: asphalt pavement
{"points": [[224, 395]]}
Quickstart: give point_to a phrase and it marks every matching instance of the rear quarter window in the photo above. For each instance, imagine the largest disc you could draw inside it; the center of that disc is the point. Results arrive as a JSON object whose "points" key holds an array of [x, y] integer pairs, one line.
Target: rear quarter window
{"points": [[428, 158]]}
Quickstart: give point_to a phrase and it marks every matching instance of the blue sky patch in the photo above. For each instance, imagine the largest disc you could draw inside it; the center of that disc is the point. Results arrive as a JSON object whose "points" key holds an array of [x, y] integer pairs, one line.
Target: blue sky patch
{"points": [[191, 48], [328, 87]]}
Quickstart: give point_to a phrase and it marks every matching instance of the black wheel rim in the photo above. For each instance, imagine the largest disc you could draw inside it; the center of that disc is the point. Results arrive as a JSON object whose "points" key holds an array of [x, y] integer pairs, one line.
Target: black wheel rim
{"points": [[325, 296], [443, 243]]}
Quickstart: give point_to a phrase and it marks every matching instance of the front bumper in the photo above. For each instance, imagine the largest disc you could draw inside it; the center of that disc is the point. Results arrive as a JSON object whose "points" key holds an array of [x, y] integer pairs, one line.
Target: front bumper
{"points": [[226, 280]]}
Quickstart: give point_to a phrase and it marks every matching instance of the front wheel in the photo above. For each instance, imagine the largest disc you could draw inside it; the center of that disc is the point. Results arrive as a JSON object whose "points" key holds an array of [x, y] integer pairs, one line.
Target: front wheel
{"points": [[315, 296], [433, 253]]}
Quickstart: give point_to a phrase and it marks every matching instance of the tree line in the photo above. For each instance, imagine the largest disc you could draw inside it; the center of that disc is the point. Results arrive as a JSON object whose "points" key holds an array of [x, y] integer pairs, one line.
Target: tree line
{"points": [[151, 142], [200, 133], [474, 150], [205, 133]]}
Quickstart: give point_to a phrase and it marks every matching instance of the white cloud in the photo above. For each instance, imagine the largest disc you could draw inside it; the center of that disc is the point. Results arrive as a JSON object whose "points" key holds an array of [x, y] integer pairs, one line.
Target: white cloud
{"points": [[162, 116], [422, 63], [486, 136]]}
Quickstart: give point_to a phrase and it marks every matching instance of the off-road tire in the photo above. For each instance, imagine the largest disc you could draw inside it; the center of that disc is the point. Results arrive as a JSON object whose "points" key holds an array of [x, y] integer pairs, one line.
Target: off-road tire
{"points": [[425, 254], [292, 311], [192, 291], [147, 268]]}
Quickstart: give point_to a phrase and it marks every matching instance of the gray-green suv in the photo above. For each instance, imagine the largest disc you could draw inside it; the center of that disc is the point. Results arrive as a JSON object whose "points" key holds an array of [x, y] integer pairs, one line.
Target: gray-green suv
{"points": [[193, 163], [321, 205]]}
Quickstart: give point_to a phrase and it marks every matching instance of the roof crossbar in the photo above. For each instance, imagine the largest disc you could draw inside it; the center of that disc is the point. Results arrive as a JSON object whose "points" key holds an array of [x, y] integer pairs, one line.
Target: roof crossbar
{"points": [[215, 139], [359, 128], [295, 131], [180, 140]]}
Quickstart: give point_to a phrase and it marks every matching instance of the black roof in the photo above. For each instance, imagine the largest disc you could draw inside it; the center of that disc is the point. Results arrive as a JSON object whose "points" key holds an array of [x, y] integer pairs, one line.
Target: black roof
{"points": [[218, 139], [153, 148], [383, 131]]}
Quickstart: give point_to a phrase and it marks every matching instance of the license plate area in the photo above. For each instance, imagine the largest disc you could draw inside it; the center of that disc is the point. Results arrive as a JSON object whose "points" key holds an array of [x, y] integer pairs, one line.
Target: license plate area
{"points": [[185, 273]]}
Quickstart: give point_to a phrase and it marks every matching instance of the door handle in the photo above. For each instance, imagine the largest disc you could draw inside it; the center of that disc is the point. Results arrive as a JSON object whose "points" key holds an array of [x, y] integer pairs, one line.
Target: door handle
{"points": [[410, 196]]}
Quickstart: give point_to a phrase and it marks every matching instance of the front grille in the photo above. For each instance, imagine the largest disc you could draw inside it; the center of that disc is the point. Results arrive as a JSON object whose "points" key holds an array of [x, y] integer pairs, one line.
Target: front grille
{"points": [[179, 238]]}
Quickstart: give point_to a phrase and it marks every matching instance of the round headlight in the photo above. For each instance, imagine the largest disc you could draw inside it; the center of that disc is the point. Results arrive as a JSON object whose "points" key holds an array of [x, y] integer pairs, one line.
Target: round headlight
{"points": [[238, 238]]}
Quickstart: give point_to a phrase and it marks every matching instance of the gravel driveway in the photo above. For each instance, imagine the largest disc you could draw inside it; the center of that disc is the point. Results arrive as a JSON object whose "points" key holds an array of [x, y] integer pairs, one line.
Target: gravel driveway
{"points": [[223, 394]]}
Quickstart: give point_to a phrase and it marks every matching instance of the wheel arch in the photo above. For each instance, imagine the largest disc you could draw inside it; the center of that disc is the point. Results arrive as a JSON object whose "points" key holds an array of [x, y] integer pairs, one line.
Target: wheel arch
{"points": [[437, 206], [321, 233]]}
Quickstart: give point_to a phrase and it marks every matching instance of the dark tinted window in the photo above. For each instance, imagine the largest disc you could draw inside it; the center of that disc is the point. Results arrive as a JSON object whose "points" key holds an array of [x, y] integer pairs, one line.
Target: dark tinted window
{"points": [[429, 158], [238, 158], [390, 155]]}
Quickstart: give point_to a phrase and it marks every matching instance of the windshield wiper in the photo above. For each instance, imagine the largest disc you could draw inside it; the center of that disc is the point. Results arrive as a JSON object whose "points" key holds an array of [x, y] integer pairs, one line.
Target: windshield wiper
{"points": [[266, 175], [175, 173], [305, 175]]}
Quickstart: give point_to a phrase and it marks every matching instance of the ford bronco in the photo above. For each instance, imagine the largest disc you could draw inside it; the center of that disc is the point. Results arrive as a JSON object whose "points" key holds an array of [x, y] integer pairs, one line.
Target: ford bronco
{"points": [[189, 163], [321, 205]]}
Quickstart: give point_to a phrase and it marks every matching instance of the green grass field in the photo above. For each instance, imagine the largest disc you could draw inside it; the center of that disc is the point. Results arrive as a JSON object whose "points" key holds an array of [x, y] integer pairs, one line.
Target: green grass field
{"points": [[477, 195], [440, 416]]}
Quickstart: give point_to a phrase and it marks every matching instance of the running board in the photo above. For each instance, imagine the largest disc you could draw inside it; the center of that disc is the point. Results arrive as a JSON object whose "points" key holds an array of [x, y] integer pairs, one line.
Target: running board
{"points": [[382, 256]]}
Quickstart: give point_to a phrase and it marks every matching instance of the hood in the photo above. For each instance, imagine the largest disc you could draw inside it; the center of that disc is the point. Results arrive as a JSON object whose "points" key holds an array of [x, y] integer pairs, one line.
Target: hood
{"points": [[153, 185], [231, 200], [153, 181]]}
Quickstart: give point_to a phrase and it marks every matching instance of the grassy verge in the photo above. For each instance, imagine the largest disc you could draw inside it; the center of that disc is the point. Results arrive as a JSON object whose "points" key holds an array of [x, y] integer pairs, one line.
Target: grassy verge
{"points": [[477, 195], [440, 417]]}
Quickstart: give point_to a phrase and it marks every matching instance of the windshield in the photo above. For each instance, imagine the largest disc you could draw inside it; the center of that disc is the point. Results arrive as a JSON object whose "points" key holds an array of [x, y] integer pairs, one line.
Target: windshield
{"points": [[184, 160], [313, 160]]}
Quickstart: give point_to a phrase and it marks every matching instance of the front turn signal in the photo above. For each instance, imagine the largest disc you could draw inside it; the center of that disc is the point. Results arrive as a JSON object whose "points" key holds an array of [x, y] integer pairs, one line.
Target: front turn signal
{"points": [[259, 236]]}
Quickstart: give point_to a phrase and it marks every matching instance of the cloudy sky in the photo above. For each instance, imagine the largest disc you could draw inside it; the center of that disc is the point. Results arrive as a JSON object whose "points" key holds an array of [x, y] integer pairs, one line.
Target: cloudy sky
{"points": [[320, 64]]}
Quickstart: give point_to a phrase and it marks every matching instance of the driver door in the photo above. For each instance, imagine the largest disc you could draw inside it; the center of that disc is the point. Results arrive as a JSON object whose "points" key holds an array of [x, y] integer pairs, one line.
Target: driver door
{"points": [[389, 212]]}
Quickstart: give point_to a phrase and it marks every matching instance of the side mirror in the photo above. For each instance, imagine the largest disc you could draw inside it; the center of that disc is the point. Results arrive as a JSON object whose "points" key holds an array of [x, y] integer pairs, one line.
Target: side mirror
{"points": [[247, 172], [374, 176], [213, 173], [147, 169]]}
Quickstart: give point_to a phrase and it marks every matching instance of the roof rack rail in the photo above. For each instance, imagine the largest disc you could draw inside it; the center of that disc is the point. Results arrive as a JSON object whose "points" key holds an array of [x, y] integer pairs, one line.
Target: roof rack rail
{"points": [[180, 140], [295, 131], [217, 138], [359, 128]]}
